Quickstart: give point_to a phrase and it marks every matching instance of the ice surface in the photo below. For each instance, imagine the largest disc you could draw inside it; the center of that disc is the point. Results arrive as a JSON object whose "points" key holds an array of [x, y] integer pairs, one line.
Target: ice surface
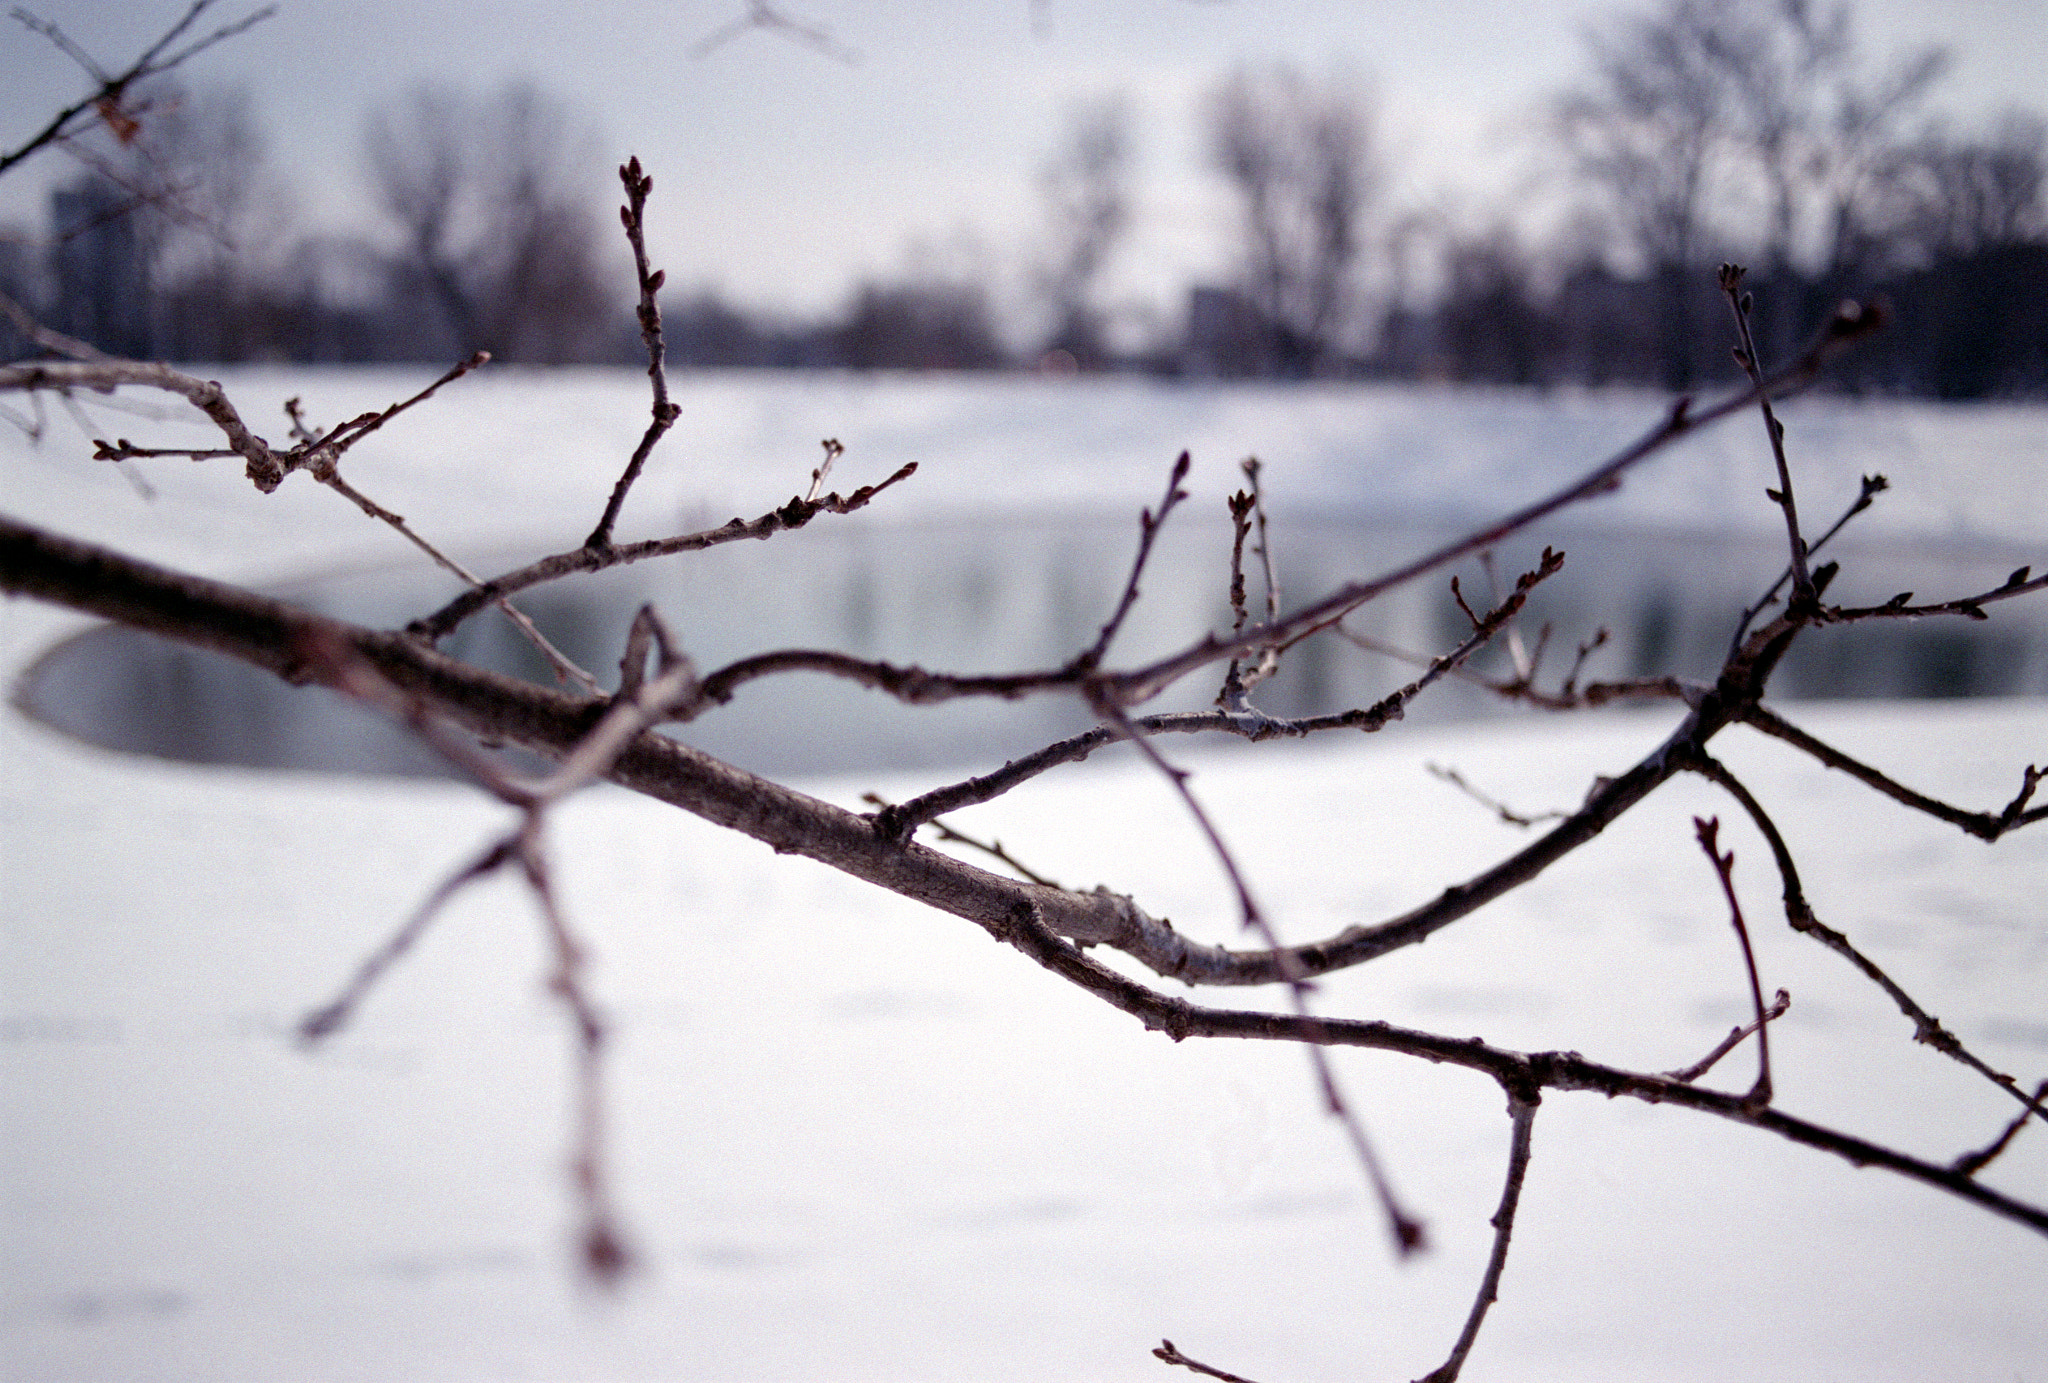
{"points": [[859, 1140]]}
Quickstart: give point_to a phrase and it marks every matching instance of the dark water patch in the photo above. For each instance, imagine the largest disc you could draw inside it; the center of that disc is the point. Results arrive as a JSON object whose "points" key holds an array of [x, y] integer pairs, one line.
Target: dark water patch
{"points": [[969, 597]]}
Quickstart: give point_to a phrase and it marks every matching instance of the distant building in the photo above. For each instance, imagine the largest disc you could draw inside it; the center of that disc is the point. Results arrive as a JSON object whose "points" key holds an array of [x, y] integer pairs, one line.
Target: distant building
{"points": [[1223, 335], [100, 268], [17, 281]]}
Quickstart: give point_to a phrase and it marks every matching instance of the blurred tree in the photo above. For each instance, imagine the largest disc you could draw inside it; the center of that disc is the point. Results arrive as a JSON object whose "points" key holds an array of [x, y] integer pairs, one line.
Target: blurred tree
{"points": [[1959, 196], [219, 227], [1491, 327], [1300, 159], [1087, 201], [1644, 131], [934, 324], [492, 201], [1706, 118]]}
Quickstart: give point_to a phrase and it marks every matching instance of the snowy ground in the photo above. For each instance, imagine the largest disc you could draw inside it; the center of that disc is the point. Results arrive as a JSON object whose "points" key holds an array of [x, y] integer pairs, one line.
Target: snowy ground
{"points": [[857, 1140]]}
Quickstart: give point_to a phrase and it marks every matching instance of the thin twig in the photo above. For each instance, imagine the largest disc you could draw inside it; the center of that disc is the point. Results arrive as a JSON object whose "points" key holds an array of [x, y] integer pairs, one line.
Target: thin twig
{"points": [[1494, 805], [833, 451], [105, 100], [1983, 825], [633, 214], [1248, 507], [789, 517], [1708, 830], [1799, 915], [606, 1258], [332, 1016], [1168, 1353], [1408, 1233], [1969, 606], [768, 18], [1972, 1163], [1779, 1007], [992, 848], [51, 340], [1522, 1113], [1872, 486], [1149, 524], [1746, 357]]}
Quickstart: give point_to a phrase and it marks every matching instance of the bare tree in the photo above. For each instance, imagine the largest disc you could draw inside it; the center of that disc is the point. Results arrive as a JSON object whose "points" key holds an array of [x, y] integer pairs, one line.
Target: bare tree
{"points": [[597, 733], [1697, 107], [1958, 196], [496, 224], [1645, 131], [1819, 138], [1087, 200], [221, 238], [1300, 159]]}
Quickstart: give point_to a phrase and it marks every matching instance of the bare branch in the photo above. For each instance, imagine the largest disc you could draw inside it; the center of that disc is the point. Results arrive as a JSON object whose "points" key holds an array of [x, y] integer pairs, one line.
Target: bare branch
{"points": [[634, 216], [1746, 357], [1779, 1006], [1522, 1113], [1799, 914], [1851, 323], [1708, 829], [792, 515], [1254, 725], [266, 469], [1983, 825], [272, 634], [105, 100]]}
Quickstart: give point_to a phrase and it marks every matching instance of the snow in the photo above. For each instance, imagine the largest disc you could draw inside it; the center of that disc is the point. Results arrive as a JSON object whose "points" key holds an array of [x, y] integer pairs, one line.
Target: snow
{"points": [[553, 442], [855, 1139]]}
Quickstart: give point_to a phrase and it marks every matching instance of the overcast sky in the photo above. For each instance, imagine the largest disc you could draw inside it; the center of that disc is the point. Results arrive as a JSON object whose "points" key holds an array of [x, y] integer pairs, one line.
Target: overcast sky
{"points": [[783, 174]]}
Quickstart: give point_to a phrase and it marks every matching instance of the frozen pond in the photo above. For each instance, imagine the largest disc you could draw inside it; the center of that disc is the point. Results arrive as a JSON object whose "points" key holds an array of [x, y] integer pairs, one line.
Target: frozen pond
{"points": [[854, 1139], [1008, 548]]}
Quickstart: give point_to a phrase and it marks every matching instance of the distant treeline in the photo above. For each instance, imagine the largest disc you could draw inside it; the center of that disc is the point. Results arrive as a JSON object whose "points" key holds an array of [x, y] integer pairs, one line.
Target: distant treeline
{"points": [[1703, 130]]}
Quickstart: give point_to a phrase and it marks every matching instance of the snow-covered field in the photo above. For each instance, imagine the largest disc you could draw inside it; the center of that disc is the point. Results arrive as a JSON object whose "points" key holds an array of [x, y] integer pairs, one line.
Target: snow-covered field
{"points": [[857, 1140]]}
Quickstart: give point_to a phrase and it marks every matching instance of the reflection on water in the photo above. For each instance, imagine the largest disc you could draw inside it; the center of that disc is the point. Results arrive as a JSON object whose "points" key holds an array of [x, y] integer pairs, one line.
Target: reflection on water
{"points": [[1028, 594]]}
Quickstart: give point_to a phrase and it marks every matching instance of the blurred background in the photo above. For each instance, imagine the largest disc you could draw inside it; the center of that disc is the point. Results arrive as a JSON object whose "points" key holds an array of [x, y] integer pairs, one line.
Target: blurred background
{"points": [[1426, 263], [1305, 188], [1037, 247]]}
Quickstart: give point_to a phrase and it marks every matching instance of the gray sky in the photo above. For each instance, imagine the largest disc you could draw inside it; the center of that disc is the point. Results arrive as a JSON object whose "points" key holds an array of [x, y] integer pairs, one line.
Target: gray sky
{"points": [[782, 174]]}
